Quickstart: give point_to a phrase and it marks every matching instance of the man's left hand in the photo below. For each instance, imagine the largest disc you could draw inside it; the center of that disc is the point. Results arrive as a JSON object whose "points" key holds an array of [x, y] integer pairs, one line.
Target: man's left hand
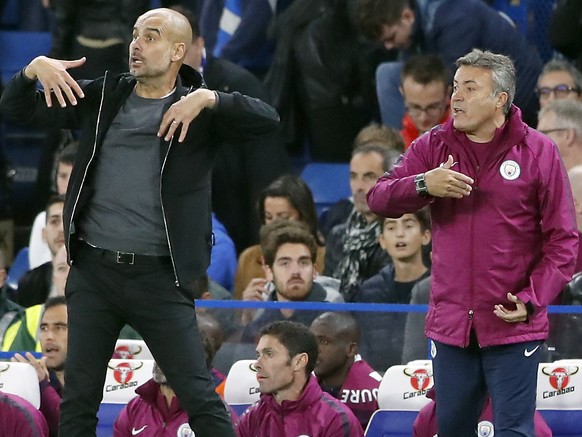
{"points": [[181, 113], [519, 314]]}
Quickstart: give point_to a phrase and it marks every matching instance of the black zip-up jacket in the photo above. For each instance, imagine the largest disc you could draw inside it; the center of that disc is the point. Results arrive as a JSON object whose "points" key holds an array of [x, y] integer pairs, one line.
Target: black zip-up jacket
{"points": [[185, 168]]}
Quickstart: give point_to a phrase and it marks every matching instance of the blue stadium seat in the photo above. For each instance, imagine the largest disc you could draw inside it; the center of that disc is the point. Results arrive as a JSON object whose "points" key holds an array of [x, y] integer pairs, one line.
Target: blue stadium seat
{"points": [[18, 268], [388, 423], [106, 418], [329, 183], [19, 48]]}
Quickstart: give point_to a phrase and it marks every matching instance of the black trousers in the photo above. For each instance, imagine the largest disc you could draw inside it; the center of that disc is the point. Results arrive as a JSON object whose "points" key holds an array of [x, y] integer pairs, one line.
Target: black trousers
{"points": [[101, 297]]}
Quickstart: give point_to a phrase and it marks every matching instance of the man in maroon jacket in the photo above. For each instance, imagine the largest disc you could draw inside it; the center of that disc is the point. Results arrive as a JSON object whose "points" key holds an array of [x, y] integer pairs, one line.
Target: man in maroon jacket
{"points": [[340, 370]]}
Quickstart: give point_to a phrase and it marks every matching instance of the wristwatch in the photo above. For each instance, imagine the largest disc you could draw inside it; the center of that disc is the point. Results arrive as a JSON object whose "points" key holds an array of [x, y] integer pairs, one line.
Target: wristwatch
{"points": [[420, 185]]}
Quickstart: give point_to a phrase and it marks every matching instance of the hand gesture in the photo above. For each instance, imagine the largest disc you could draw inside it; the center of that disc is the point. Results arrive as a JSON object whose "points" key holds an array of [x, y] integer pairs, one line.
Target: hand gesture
{"points": [[39, 365], [444, 182], [512, 316], [54, 77], [181, 113], [254, 292]]}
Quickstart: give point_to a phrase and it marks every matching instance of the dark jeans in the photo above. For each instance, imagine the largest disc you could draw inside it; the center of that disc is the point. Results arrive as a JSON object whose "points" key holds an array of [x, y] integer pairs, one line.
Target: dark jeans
{"points": [[464, 376], [101, 297]]}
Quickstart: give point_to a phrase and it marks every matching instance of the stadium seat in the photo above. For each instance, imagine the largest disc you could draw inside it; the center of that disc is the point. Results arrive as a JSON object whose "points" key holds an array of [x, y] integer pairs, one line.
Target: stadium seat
{"points": [[400, 396], [19, 48], [559, 396], [241, 388], [18, 268], [20, 379], [329, 182], [132, 350], [123, 377]]}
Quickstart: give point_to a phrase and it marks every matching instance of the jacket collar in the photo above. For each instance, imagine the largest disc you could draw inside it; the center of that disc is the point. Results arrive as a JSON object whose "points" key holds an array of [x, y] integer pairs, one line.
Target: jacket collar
{"points": [[512, 132], [151, 394], [311, 395]]}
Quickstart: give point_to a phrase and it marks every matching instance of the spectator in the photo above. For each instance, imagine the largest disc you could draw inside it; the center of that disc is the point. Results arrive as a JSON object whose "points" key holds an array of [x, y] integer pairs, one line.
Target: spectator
{"points": [[237, 31], [286, 356], [425, 87], [50, 368], [36, 284], [565, 30], [497, 263], [447, 29], [25, 334], [288, 197], [425, 424], [559, 80], [340, 370], [575, 178], [319, 78], [156, 410], [20, 418], [98, 30], [213, 336], [289, 250], [353, 252], [373, 134], [561, 120], [243, 168], [383, 333], [38, 250]]}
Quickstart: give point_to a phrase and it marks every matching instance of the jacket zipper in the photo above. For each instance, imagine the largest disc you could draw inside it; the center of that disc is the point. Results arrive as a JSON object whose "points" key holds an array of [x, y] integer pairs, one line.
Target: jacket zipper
{"points": [[177, 282], [471, 312], [87, 166]]}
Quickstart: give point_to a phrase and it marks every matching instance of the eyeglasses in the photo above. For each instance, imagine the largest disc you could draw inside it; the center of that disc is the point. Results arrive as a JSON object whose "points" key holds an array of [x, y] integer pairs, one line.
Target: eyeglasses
{"points": [[560, 91], [433, 109], [558, 129]]}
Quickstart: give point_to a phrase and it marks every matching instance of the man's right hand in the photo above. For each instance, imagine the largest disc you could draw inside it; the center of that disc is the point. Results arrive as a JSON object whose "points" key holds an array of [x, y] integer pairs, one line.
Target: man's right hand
{"points": [[54, 77], [39, 365], [254, 292], [444, 182]]}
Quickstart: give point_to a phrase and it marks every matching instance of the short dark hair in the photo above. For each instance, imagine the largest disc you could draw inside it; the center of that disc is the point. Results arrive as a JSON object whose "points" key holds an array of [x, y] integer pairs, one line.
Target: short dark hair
{"points": [[57, 198], [423, 217], [279, 232], [425, 69], [296, 338], [299, 195], [190, 16], [373, 14], [68, 153], [54, 302], [341, 323]]}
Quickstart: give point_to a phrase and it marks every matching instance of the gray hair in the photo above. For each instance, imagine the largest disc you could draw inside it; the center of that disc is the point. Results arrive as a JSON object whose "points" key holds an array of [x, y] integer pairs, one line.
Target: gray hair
{"points": [[502, 69], [563, 65], [568, 114]]}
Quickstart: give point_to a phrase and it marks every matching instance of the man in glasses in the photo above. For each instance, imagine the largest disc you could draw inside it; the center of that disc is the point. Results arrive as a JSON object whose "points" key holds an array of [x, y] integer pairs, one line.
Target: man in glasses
{"points": [[559, 80], [561, 120], [425, 88]]}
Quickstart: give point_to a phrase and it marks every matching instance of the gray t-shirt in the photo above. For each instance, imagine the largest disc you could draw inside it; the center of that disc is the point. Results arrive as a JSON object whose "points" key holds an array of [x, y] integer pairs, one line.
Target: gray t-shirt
{"points": [[125, 211]]}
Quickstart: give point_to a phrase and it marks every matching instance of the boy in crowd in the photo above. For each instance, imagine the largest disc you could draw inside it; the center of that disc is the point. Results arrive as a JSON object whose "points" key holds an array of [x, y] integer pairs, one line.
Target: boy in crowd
{"points": [[403, 239]]}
